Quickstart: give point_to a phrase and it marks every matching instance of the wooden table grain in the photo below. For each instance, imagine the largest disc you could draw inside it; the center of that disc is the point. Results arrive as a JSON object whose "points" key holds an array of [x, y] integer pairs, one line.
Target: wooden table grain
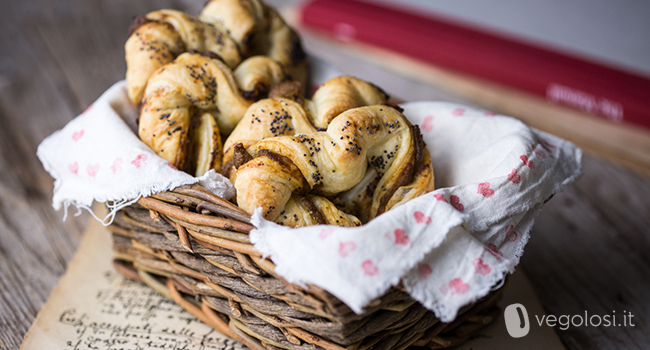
{"points": [[590, 248]]}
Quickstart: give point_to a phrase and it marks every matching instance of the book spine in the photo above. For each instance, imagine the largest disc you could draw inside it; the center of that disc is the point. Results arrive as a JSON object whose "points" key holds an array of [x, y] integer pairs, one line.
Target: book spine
{"points": [[560, 78]]}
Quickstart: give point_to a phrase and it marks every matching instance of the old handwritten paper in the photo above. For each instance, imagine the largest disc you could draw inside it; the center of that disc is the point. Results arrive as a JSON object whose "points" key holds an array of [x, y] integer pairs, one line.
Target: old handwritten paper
{"points": [[94, 307]]}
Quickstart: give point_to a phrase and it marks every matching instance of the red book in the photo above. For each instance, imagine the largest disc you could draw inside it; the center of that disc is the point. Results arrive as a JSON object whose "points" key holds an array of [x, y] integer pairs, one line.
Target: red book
{"points": [[560, 78]]}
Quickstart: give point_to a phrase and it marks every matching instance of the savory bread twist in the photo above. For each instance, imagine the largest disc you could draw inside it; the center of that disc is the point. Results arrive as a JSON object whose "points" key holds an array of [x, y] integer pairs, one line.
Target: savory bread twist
{"points": [[332, 161], [180, 92], [232, 30], [264, 119], [162, 35], [282, 116], [269, 119], [259, 30]]}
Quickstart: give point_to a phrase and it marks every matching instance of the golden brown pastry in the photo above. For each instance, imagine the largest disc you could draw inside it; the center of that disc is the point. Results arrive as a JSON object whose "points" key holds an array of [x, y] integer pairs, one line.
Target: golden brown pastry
{"points": [[257, 75], [264, 119], [206, 150], [283, 44], [291, 156], [162, 35], [423, 182], [313, 210], [331, 162], [358, 200], [259, 30], [339, 94], [180, 92], [270, 118], [231, 29], [277, 117], [243, 19], [200, 36]]}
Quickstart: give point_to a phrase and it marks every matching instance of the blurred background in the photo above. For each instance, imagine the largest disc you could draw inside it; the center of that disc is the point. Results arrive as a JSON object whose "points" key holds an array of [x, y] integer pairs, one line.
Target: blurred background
{"points": [[611, 33], [578, 69]]}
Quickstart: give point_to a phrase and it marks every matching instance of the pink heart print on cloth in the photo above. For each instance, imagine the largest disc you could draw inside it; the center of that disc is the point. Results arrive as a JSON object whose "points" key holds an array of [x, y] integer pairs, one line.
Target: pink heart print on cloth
{"points": [[485, 190], [420, 218], [74, 167], [92, 169], [401, 237], [427, 124], [369, 269], [455, 202], [481, 267], [448, 247], [345, 248], [77, 135]]}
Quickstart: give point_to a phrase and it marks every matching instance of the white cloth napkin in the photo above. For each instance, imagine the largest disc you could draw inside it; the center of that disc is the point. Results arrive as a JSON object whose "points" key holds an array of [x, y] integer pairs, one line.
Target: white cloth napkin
{"points": [[97, 156], [449, 247]]}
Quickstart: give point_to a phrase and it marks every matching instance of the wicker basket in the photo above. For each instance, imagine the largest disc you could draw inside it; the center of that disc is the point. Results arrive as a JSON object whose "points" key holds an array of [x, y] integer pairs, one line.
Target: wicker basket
{"points": [[193, 246]]}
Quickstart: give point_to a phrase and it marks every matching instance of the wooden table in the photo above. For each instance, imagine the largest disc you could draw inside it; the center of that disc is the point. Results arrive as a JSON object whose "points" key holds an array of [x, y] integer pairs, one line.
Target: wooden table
{"points": [[590, 248]]}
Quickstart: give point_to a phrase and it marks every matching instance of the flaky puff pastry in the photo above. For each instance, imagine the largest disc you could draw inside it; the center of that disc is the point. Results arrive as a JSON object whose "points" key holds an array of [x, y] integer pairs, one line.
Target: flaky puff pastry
{"points": [[179, 92], [271, 118], [259, 30], [257, 75], [160, 36], [285, 181], [312, 210], [358, 200], [285, 117], [339, 94], [206, 149], [332, 161], [264, 119]]}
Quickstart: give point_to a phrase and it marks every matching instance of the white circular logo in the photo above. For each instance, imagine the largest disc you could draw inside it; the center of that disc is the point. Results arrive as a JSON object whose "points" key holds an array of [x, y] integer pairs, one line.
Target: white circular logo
{"points": [[517, 322]]}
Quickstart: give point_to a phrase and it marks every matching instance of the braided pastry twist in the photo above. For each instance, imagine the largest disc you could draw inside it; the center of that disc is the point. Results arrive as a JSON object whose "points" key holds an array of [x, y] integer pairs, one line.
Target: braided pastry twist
{"points": [[160, 36], [270, 118], [231, 29], [259, 30], [265, 119], [331, 162], [179, 92]]}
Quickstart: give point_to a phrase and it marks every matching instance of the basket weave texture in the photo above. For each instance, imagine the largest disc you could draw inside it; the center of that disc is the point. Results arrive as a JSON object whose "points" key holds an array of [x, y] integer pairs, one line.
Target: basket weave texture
{"points": [[193, 246]]}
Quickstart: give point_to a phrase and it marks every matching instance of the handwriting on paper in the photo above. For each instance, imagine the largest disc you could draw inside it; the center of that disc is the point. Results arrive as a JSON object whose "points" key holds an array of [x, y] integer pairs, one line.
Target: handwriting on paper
{"points": [[129, 315]]}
